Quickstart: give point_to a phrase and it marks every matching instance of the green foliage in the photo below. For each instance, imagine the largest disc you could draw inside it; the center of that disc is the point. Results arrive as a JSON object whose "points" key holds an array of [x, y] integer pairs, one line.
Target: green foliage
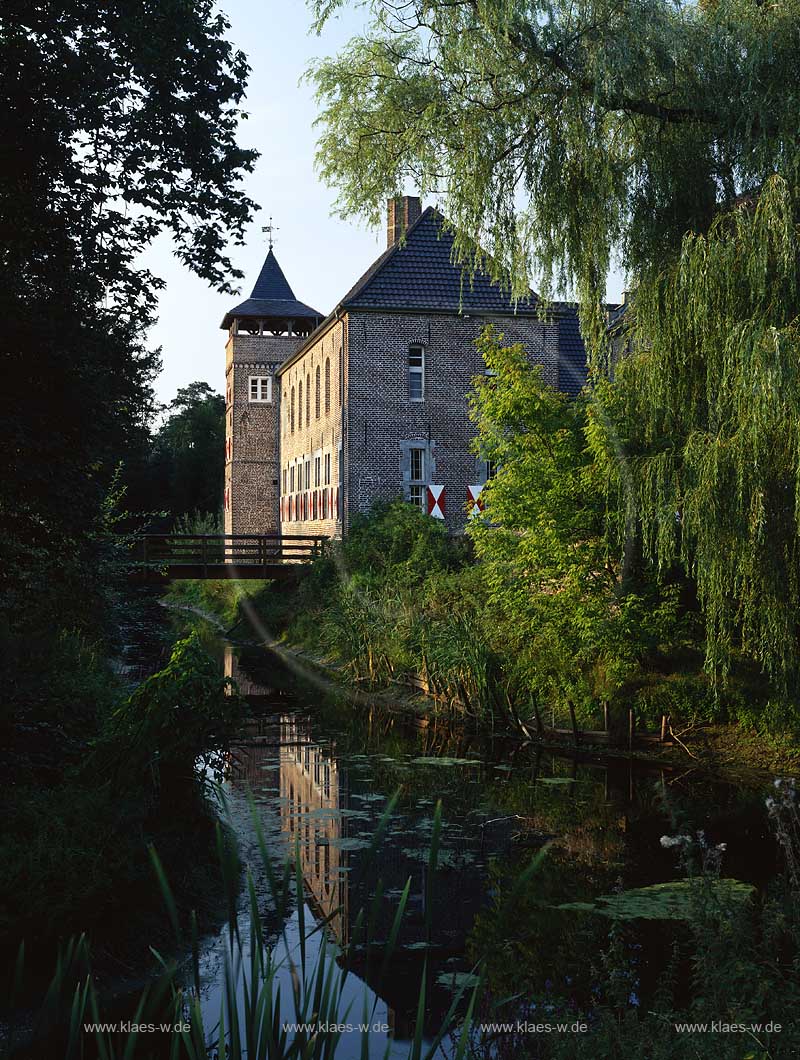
{"points": [[549, 549], [187, 461], [266, 986], [560, 137], [171, 731], [711, 405], [73, 851], [396, 542], [118, 124]]}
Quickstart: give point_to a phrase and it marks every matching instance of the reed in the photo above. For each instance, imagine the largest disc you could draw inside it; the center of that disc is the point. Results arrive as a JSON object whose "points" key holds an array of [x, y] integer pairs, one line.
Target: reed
{"points": [[270, 987]]}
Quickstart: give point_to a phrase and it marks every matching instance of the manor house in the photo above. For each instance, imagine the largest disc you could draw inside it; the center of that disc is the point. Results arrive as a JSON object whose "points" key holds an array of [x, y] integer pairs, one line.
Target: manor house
{"points": [[325, 415]]}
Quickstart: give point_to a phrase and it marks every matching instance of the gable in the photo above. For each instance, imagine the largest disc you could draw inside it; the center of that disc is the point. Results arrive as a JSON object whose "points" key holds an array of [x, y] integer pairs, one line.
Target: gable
{"points": [[420, 274]]}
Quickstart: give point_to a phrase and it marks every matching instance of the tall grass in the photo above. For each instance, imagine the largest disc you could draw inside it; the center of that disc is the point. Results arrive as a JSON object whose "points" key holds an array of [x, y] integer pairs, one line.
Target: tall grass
{"points": [[268, 987]]}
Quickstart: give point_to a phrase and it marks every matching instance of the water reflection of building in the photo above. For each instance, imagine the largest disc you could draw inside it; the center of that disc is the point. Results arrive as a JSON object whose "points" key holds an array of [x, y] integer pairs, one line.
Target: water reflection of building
{"points": [[312, 797]]}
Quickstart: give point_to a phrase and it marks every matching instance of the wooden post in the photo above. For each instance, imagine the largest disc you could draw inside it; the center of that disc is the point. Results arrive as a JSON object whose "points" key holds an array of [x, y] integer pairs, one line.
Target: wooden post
{"points": [[574, 721], [605, 715], [631, 727], [537, 714], [663, 728], [203, 556]]}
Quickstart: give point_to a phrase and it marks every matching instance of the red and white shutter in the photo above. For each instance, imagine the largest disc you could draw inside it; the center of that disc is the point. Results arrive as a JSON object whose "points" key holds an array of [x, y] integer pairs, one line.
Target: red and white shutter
{"points": [[436, 501], [475, 503]]}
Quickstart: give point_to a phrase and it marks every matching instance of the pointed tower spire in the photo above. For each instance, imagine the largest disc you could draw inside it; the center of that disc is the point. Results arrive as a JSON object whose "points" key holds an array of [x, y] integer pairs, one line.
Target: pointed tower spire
{"points": [[272, 307], [271, 282]]}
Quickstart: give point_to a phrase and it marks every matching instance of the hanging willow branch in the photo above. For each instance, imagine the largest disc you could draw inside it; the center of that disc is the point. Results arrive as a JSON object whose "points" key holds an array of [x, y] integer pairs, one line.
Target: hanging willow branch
{"points": [[715, 391]]}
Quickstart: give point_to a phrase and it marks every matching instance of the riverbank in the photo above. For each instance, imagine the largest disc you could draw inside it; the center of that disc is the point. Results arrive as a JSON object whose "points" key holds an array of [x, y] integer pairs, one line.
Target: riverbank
{"points": [[335, 621], [85, 802]]}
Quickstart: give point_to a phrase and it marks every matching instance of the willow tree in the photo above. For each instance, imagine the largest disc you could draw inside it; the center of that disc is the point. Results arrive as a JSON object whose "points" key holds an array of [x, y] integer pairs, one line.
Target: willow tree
{"points": [[562, 136]]}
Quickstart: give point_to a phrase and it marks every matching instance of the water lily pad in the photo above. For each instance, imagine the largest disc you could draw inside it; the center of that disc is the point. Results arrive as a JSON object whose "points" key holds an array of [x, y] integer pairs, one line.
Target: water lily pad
{"points": [[457, 980], [660, 901], [344, 843], [444, 761]]}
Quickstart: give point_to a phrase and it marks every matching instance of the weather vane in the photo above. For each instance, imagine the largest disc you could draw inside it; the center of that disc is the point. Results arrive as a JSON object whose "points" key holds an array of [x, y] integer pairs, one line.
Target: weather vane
{"points": [[269, 229]]}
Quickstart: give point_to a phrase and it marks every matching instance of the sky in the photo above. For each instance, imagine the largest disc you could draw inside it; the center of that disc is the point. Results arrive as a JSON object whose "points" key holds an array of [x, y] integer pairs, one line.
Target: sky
{"points": [[321, 255]]}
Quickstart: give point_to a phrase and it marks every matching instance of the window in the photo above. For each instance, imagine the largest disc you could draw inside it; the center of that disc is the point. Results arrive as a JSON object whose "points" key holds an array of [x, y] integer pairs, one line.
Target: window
{"points": [[317, 408], [417, 458], [291, 479], [327, 385], [300, 404], [308, 399], [261, 388], [417, 494], [292, 412], [308, 475], [327, 469], [284, 480], [491, 469], [317, 470], [417, 497], [416, 373]]}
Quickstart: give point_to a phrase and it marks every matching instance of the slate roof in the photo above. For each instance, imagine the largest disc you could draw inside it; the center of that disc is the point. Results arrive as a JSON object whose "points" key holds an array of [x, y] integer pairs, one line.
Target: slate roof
{"points": [[419, 273], [571, 351], [616, 311], [271, 297]]}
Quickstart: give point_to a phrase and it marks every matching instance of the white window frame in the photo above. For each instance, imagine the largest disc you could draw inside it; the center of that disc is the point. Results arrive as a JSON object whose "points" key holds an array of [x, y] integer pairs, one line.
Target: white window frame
{"points": [[257, 383], [416, 451], [415, 371], [418, 487]]}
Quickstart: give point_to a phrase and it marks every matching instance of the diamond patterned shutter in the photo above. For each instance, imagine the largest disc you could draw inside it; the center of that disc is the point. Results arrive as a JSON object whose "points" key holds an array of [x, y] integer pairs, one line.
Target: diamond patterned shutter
{"points": [[436, 501], [475, 504]]}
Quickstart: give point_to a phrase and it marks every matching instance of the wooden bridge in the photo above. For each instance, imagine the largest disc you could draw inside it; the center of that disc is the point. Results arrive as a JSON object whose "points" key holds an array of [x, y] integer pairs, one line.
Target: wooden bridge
{"points": [[162, 557]]}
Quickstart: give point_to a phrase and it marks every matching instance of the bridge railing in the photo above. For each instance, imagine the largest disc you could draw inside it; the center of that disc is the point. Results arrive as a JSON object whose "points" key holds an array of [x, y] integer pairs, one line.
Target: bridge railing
{"points": [[193, 550]]}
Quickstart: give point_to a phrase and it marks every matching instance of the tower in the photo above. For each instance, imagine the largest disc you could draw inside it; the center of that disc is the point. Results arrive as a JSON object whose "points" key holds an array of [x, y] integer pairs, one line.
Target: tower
{"points": [[262, 332]]}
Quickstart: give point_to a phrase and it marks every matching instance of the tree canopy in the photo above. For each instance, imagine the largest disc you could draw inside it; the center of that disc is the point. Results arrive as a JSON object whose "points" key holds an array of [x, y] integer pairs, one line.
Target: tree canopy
{"points": [[561, 136], [117, 122], [188, 458]]}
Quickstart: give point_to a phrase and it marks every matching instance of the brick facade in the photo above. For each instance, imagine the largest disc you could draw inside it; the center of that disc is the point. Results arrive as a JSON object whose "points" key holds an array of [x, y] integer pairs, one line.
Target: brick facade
{"points": [[310, 443], [384, 424], [373, 403], [251, 433]]}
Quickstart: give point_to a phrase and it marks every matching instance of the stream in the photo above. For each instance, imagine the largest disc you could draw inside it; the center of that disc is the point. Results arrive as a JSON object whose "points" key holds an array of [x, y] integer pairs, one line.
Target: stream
{"points": [[321, 770]]}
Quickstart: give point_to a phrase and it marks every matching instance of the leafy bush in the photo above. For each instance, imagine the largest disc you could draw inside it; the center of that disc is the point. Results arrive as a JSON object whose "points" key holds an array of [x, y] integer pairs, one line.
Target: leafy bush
{"points": [[173, 728]]}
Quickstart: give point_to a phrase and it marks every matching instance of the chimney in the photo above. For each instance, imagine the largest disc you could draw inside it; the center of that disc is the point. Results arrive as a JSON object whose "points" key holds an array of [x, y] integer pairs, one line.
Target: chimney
{"points": [[403, 211]]}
